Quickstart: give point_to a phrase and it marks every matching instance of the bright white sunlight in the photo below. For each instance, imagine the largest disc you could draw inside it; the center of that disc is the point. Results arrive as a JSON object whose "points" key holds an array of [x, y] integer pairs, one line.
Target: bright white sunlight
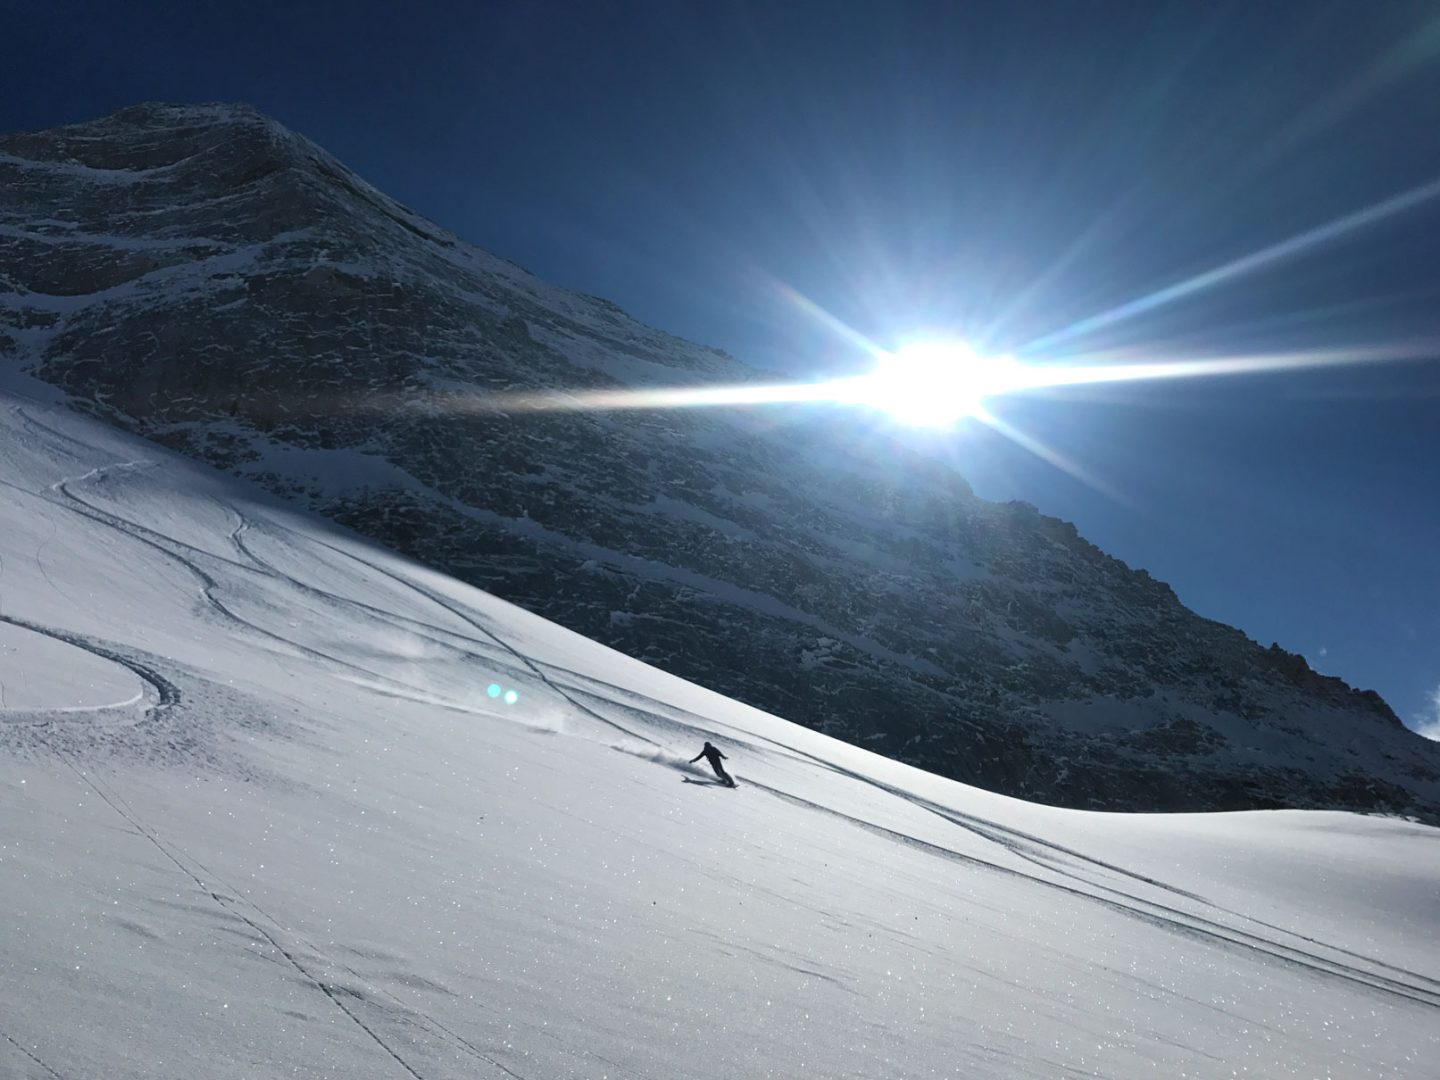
{"points": [[932, 383]]}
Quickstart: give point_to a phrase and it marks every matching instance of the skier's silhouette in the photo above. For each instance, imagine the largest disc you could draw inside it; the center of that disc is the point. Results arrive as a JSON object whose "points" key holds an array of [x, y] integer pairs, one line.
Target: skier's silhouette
{"points": [[714, 756]]}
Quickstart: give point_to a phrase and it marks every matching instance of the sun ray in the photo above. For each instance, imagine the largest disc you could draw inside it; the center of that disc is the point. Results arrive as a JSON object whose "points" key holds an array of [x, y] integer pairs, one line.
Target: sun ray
{"points": [[664, 397], [841, 329], [1053, 457], [996, 377], [1245, 264], [1091, 369]]}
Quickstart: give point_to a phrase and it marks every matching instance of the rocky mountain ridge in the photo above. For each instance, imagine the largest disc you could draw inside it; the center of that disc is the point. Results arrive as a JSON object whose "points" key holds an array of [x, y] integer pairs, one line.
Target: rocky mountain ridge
{"points": [[205, 277]]}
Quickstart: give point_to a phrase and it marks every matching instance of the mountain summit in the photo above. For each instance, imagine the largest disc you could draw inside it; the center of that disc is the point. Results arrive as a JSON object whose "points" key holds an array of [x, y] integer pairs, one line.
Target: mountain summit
{"points": [[219, 284]]}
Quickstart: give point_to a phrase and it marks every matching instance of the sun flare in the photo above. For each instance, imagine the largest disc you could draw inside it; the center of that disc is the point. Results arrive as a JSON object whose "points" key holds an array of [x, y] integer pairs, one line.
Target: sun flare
{"points": [[933, 383]]}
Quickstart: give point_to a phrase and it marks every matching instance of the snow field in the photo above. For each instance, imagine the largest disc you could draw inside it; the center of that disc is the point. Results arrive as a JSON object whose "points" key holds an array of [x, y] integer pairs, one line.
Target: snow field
{"points": [[262, 819]]}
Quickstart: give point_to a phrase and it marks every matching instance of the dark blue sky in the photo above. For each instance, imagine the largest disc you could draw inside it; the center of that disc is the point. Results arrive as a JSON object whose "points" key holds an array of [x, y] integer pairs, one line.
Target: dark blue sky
{"points": [[996, 171]]}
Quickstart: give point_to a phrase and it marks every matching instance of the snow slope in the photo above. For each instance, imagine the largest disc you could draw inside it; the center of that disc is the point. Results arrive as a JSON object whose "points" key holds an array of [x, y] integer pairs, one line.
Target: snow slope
{"points": [[260, 817]]}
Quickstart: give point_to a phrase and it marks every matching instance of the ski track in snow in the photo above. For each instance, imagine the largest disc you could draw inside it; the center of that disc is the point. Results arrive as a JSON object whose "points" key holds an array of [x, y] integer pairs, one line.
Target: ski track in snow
{"points": [[534, 668], [231, 594], [230, 900], [1167, 918], [166, 693], [209, 585], [37, 1060], [330, 991], [1060, 860], [273, 932], [1032, 849]]}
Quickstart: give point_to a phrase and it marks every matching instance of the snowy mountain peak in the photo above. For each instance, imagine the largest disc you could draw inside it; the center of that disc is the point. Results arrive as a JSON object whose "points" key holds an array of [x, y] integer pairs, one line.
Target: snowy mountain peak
{"points": [[202, 276], [153, 144]]}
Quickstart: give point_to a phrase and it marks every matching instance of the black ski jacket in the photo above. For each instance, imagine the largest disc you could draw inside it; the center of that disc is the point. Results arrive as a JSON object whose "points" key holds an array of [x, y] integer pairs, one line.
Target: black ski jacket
{"points": [[710, 754]]}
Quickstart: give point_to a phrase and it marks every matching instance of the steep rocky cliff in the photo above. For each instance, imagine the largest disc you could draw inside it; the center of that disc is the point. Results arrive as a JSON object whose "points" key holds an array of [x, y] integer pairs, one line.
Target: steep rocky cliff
{"points": [[205, 277]]}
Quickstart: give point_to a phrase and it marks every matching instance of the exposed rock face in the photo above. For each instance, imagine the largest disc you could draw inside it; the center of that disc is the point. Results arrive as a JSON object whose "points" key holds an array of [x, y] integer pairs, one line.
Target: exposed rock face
{"points": [[205, 277]]}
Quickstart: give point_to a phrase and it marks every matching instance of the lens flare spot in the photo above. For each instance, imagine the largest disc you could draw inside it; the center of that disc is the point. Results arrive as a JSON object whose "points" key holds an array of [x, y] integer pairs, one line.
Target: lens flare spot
{"points": [[511, 697], [493, 689]]}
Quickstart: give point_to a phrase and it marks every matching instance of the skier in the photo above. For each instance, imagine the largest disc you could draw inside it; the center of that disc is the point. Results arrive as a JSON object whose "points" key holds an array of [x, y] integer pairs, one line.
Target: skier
{"points": [[714, 756]]}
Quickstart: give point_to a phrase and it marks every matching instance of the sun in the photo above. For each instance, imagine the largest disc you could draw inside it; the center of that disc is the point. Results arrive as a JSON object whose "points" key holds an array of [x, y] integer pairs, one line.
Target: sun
{"points": [[933, 383]]}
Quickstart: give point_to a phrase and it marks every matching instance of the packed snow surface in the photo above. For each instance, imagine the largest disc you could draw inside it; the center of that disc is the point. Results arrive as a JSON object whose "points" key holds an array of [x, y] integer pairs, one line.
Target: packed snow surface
{"points": [[260, 816]]}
